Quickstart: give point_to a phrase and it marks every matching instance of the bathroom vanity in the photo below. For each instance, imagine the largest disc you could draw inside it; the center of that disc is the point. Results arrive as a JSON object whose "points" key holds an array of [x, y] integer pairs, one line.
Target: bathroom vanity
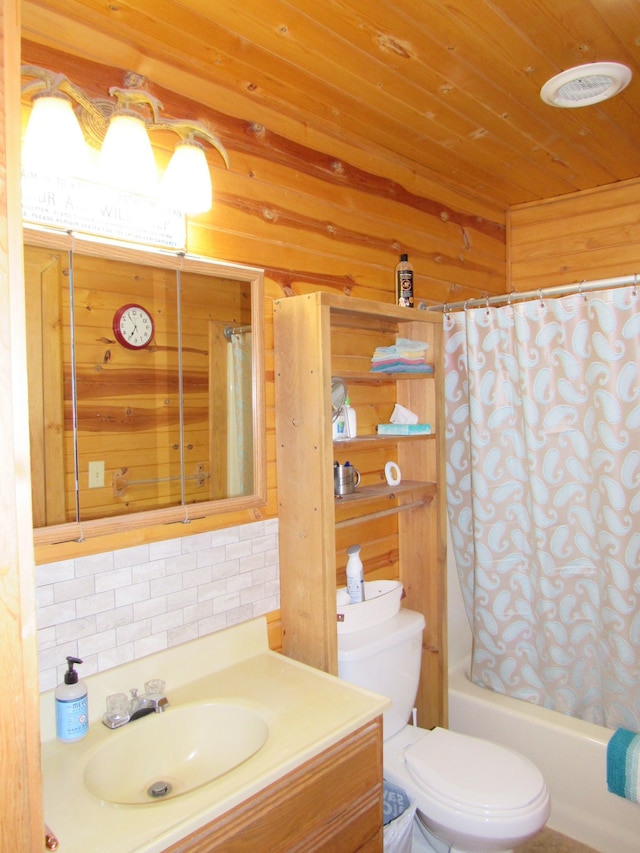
{"points": [[314, 784]]}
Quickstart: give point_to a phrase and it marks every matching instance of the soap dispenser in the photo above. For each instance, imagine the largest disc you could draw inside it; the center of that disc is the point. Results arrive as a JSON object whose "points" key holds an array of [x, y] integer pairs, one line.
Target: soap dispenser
{"points": [[72, 706]]}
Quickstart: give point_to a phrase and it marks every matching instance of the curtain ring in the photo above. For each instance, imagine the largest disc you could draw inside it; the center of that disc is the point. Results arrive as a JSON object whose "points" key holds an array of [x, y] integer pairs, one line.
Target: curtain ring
{"points": [[487, 306], [540, 298], [635, 284]]}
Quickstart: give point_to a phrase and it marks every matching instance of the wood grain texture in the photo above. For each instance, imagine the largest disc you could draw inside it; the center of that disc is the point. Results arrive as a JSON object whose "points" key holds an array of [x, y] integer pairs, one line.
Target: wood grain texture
{"points": [[22, 819], [590, 235], [449, 90], [332, 802]]}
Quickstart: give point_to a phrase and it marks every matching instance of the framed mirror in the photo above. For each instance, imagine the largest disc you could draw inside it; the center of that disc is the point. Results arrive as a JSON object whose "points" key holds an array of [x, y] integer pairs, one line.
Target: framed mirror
{"points": [[146, 386]]}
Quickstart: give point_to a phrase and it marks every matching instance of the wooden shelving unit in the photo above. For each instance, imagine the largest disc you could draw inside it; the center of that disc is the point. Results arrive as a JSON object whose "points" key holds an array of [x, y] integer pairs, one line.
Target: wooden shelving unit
{"points": [[401, 528]]}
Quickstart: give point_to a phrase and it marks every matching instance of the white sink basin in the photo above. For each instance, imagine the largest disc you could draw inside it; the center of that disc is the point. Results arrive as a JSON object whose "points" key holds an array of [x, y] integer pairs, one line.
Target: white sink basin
{"points": [[163, 756]]}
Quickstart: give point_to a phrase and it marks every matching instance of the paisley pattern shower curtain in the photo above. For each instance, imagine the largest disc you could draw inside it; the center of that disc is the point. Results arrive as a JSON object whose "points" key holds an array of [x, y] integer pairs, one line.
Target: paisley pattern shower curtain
{"points": [[543, 491]]}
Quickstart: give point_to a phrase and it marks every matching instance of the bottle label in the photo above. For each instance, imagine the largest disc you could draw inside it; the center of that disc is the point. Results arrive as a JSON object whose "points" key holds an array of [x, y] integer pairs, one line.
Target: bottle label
{"points": [[355, 589], [72, 718], [405, 288]]}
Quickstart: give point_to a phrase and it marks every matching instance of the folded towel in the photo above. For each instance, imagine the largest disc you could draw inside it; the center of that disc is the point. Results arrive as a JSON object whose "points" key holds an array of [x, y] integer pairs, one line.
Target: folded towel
{"points": [[623, 765], [398, 367], [404, 344]]}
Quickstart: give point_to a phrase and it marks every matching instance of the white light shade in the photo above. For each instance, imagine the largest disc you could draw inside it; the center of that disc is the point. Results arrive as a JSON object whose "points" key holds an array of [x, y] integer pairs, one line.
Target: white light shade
{"points": [[187, 181], [126, 157], [53, 141]]}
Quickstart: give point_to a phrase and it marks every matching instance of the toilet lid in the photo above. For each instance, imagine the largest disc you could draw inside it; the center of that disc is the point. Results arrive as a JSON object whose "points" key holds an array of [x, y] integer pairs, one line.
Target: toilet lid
{"points": [[473, 773]]}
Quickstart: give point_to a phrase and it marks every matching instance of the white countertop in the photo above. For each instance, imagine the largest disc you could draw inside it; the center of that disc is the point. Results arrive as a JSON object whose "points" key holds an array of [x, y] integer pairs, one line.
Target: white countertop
{"points": [[306, 710]]}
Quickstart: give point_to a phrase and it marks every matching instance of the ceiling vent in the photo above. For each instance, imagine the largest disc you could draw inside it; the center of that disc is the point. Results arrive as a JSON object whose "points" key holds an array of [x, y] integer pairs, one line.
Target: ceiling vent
{"points": [[586, 84]]}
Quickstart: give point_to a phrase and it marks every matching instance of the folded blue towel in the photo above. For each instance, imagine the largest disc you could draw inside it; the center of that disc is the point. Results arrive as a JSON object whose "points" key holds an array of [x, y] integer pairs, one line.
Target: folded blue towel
{"points": [[623, 765]]}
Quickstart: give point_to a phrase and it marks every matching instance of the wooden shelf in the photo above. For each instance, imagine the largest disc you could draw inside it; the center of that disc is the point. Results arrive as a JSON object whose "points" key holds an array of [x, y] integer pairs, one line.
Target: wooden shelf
{"points": [[376, 378], [418, 488], [361, 441], [401, 528]]}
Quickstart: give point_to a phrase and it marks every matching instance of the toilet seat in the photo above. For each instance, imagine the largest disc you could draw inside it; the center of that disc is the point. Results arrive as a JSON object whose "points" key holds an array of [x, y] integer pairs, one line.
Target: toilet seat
{"points": [[452, 769], [471, 794]]}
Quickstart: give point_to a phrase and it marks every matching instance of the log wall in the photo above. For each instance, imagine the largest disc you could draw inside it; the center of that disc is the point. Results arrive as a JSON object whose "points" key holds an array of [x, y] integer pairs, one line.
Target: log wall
{"points": [[315, 213], [579, 237]]}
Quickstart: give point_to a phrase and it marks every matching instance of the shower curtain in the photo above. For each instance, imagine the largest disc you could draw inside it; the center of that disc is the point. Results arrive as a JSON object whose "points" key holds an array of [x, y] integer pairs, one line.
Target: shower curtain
{"points": [[543, 492], [239, 416]]}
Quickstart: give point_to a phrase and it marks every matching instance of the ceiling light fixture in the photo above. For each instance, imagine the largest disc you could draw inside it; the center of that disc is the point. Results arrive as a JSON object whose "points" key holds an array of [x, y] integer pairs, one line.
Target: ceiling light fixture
{"points": [[586, 84], [54, 139], [119, 127]]}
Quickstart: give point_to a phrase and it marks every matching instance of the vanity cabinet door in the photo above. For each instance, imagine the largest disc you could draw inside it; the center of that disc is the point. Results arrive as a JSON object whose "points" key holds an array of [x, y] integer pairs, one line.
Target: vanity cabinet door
{"points": [[332, 802]]}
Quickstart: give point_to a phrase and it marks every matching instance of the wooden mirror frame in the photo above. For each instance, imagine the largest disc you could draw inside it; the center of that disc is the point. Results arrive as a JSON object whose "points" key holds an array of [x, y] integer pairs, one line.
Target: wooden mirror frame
{"points": [[80, 531]]}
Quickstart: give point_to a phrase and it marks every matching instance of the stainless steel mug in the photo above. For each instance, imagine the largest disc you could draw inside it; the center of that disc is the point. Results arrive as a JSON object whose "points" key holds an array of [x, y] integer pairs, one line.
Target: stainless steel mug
{"points": [[345, 479]]}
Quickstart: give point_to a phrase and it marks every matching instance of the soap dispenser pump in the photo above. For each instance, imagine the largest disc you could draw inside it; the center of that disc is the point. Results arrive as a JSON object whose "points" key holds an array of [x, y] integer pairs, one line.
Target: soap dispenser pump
{"points": [[72, 706]]}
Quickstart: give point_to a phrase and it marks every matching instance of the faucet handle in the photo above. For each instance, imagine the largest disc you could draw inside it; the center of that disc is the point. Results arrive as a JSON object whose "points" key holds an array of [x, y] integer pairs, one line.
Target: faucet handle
{"points": [[117, 710], [154, 687]]}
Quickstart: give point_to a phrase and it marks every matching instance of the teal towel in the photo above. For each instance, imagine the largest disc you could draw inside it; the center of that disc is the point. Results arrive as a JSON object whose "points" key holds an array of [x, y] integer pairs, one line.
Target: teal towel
{"points": [[623, 765]]}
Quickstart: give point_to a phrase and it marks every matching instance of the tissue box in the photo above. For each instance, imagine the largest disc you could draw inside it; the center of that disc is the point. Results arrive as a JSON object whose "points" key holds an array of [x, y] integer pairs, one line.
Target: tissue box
{"points": [[404, 429]]}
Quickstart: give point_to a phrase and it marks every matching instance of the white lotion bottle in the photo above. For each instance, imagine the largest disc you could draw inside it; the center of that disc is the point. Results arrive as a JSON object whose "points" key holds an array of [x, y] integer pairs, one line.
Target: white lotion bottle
{"points": [[72, 706], [352, 423], [355, 575]]}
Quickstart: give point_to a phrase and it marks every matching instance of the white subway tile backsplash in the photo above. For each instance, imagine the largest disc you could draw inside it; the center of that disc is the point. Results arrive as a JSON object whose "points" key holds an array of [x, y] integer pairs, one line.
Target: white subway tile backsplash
{"points": [[69, 590], [44, 595], [55, 572], [135, 631], [56, 614], [111, 608], [131, 556], [114, 618], [149, 607], [135, 592], [98, 603], [150, 645], [212, 590], [76, 628], [95, 643], [149, 571], [93, 564], [183, 634], [116, 657], [112, 580], [183, 598]]}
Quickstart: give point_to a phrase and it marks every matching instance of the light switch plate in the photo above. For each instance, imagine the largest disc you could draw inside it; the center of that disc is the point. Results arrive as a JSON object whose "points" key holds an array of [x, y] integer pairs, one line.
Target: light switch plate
{"points": [[96, 475]]}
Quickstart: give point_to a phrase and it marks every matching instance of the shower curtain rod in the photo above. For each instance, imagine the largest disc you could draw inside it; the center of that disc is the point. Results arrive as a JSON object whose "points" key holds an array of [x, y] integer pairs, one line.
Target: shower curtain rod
{"points": [[559, 290], [235, 330]]}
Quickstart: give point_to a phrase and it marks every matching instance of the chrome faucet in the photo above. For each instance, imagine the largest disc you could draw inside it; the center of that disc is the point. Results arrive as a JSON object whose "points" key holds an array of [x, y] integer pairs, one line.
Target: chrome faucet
{"points": [[122, 710]]}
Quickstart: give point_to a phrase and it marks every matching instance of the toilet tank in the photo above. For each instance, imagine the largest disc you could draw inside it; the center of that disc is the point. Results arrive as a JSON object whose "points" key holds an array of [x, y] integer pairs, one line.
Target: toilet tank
{"points": [[386, 659]]}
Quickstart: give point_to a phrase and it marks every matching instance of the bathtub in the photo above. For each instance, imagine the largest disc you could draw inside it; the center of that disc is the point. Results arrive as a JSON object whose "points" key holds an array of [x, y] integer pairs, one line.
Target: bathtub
{"points": [[570, 753]]}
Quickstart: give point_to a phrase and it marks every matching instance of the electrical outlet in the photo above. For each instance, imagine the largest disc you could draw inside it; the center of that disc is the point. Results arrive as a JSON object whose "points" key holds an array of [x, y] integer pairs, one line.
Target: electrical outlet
{"points": [[96, 475]]}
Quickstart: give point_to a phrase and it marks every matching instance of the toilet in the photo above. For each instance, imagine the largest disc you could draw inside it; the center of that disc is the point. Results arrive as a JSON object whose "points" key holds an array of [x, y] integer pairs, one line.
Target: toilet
{"points": [[472, 796]]}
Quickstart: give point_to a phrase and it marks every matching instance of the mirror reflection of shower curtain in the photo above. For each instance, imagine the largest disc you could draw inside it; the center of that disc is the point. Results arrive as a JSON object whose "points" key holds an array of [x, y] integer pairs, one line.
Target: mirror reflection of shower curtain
{"points": [[239, 416]]}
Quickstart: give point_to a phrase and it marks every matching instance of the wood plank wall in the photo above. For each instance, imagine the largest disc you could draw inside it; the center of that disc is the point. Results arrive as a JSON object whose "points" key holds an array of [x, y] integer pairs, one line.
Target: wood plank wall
{"points": [[315, 213], [579, 237]]}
